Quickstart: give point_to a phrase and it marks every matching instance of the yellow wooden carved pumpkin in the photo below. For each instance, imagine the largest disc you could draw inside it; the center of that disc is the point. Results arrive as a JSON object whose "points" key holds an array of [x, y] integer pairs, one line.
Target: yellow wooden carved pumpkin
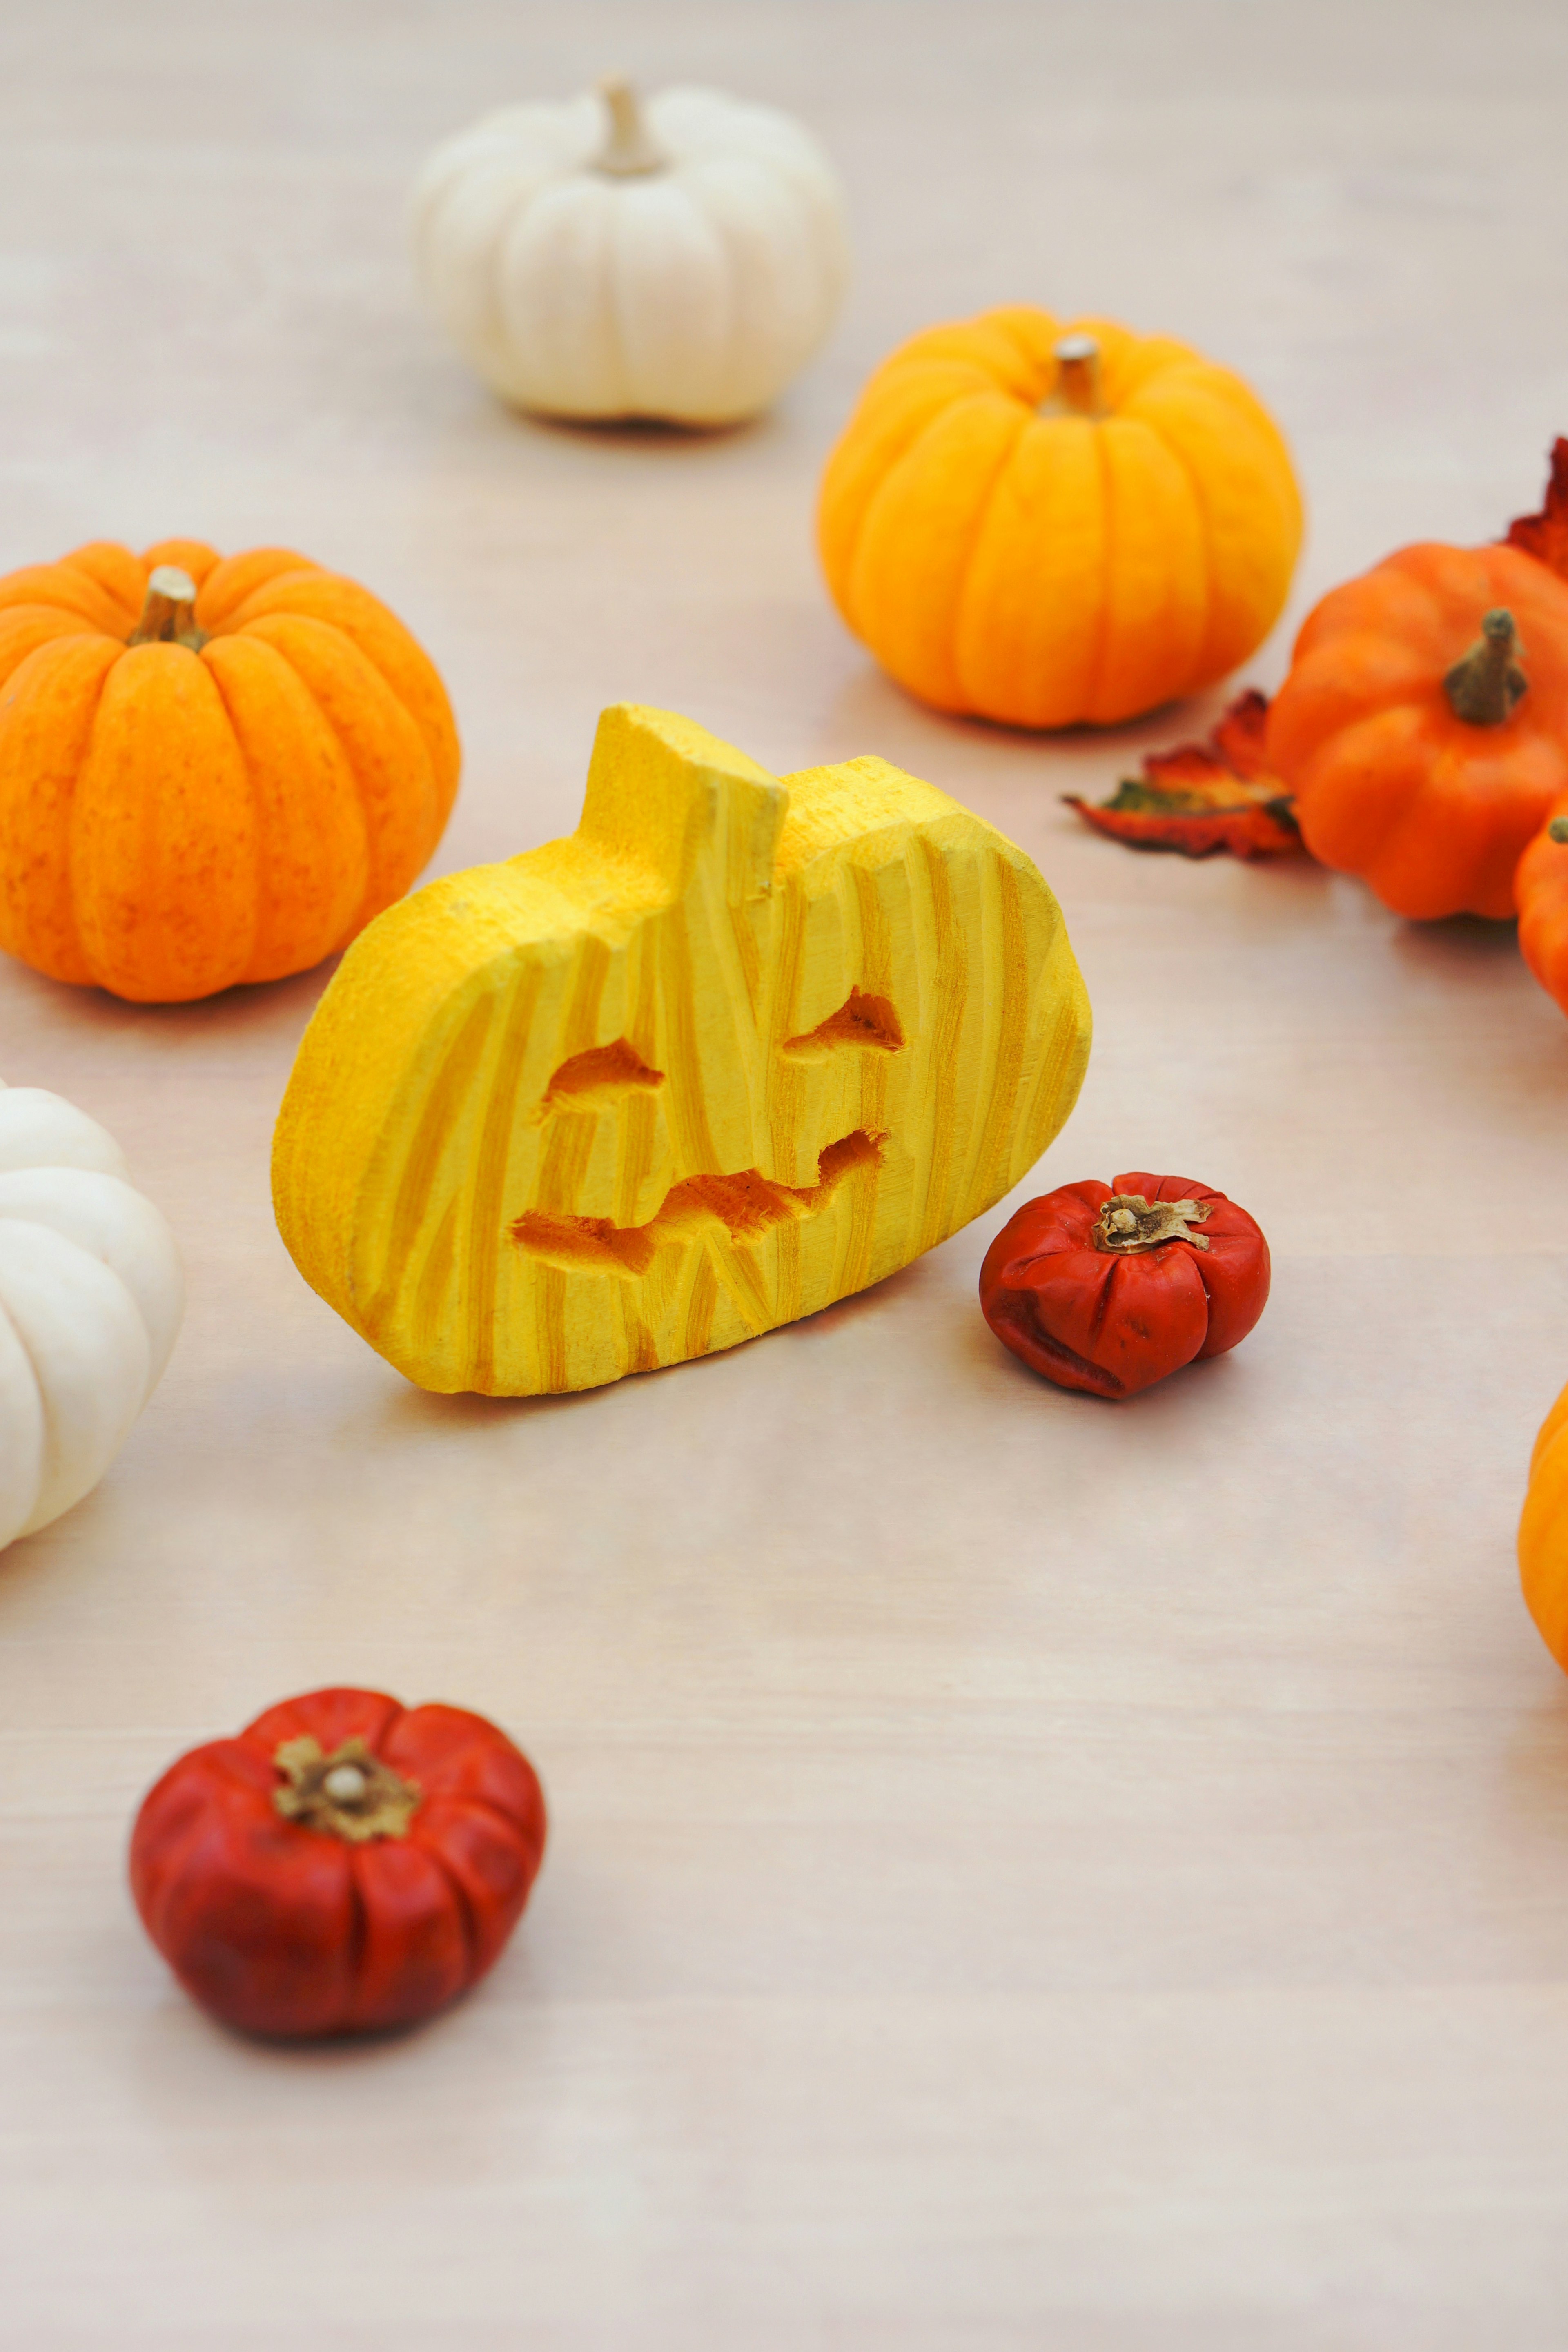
{"points": [[734, 1050]]}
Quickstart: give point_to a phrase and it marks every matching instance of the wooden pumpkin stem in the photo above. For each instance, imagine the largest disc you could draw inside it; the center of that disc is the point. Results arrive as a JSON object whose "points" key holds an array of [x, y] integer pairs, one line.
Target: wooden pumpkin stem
{"points": [[1128, 1223], [169, 614], [1558, 828], [1484, 688], [1077, 386], [349, 1794], [628, 149]]}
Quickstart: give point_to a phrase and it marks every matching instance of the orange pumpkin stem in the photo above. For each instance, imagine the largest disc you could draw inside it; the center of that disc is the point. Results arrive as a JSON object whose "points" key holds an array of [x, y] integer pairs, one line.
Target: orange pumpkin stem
{"points": [[349, 1794], [1484, 688], [628, 149], [1128, 1223], [169, 614], [1077, 390]]}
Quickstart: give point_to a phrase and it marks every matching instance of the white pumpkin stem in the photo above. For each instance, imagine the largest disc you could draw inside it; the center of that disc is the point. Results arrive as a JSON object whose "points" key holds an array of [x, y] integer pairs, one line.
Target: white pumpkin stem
{"points": [[628, 149], [1078, 376], [169, 613]]}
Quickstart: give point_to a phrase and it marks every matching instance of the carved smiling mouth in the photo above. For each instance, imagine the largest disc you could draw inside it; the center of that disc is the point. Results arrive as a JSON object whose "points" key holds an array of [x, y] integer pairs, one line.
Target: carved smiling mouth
{"points": [[744, 1206]]}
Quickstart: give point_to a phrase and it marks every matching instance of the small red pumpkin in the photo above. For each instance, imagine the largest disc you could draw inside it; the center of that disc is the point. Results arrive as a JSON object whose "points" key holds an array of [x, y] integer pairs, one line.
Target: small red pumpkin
{"points": [[346, 1863], [1109, 1288]]}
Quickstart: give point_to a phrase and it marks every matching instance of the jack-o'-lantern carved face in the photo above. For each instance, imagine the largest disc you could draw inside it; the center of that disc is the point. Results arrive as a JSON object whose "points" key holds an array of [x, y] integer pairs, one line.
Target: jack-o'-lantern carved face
{"points": [[732, 1051]]}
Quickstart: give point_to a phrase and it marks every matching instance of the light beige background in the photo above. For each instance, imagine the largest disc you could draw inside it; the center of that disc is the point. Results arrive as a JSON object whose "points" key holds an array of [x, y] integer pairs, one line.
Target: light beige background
{"points": [[1025, 1873]]}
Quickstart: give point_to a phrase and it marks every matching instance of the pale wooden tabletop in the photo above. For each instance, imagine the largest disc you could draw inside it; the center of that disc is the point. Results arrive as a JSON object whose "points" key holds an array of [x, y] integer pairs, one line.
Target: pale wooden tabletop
{"points": [[1025, 1873]]}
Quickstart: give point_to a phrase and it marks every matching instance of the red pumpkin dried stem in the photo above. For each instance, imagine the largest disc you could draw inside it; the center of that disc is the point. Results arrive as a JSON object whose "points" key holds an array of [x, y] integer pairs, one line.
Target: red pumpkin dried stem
{"points": [[1484, 688], [629, 149], [1129, 1223], [1077, 390], [169, 614], [349, 1794]]}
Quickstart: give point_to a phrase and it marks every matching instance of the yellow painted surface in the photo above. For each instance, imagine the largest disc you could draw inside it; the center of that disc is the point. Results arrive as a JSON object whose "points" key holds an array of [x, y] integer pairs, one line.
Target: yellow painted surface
{"points": [[734, 1050]]}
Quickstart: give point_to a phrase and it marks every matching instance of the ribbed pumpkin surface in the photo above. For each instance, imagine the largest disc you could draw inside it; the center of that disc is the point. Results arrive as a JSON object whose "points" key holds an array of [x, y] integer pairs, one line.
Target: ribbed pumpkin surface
{"points": [[176, 817], [1434, 812], [1001, 554]]}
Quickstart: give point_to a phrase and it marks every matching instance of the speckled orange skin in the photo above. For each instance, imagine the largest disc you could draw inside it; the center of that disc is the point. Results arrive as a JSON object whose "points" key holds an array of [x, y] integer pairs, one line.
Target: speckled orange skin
{"points": [[1434, 812], [173, 820]]}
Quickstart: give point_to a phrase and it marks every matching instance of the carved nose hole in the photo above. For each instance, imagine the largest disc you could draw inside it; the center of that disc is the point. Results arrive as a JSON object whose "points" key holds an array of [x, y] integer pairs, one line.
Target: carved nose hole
{"points": [[603, 1075], [859, 1021]]}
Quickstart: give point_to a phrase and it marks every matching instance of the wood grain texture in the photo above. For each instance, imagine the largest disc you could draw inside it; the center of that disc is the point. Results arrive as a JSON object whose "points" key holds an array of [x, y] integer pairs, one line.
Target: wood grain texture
{"points": [[1025, 1876], [734, 1050]]}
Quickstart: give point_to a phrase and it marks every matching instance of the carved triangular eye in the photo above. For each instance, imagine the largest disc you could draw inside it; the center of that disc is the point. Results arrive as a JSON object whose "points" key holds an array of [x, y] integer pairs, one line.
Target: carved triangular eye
{"points": [[599, 1077], [859, 1021]]}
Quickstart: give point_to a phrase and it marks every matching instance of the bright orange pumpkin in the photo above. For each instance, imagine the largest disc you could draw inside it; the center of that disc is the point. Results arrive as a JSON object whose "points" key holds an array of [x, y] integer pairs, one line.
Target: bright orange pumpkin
{"points": [[212, 769], [1544, 1532], [1424, 726], [1540, 894], [1048, 524]]}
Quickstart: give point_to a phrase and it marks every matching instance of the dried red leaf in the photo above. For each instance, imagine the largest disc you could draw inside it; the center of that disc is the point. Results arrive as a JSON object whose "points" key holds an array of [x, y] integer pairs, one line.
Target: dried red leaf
{"points": [[1546, 535], [1203, 798]]}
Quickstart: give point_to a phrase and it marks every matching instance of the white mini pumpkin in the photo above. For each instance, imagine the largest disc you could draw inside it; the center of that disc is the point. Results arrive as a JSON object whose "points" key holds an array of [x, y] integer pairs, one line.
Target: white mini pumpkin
{"points": [[591, 260], [90, 1299]]}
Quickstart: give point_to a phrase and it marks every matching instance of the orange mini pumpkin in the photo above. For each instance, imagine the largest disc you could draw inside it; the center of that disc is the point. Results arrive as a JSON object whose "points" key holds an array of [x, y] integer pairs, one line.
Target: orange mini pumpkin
{"points": [[1424, 726], [1540, 894], [211, 769], [1544, 1532], [1048, 525]]}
